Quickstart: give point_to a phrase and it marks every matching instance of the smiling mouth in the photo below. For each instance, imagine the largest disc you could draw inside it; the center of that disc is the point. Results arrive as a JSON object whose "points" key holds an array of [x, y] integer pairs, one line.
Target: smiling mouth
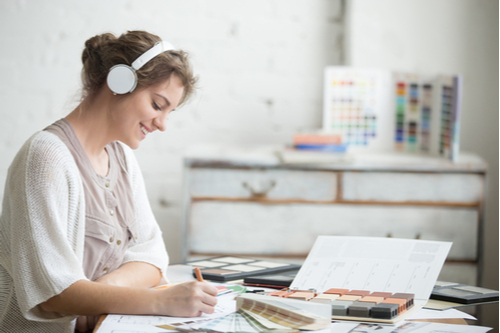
{"points": [[144, 130]]}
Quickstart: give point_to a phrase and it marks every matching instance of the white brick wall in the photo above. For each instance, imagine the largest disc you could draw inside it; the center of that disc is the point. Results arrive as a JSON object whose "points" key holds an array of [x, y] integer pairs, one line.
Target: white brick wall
{"points": [[445, 36], [260, 64]]}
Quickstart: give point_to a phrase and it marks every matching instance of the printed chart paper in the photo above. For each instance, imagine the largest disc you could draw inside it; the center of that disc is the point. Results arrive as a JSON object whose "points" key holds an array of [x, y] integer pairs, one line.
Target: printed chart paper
{"points": [[374, 264], [138, 324]]}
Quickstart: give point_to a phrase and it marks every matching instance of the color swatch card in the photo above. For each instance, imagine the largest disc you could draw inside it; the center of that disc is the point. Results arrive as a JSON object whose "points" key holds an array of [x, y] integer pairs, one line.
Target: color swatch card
{"points": [[427, 114], [373, 264], [234, 268], [355, 106]]}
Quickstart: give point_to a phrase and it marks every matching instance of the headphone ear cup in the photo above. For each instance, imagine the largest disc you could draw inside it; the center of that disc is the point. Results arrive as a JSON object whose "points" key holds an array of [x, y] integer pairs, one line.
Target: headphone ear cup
{"points": [[121, 79]]}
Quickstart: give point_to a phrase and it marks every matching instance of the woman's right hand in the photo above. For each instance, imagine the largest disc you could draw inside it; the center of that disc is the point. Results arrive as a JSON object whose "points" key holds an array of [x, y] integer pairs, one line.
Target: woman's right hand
{"points": [[189, 299]]}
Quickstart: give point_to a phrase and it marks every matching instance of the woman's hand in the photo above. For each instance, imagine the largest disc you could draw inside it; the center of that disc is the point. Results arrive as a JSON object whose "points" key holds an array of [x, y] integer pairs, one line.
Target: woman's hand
{"points": [[189, 299]]}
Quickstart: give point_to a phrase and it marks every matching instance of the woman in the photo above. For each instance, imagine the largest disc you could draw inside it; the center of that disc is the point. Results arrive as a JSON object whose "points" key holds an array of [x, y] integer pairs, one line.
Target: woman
{"points": [[77, 235]]}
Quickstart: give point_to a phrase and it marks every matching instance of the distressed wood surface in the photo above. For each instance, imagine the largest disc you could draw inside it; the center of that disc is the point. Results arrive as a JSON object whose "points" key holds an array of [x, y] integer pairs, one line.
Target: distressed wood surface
{"points": [[281, 156], [270, 184], [400, 187], [252, 228]]}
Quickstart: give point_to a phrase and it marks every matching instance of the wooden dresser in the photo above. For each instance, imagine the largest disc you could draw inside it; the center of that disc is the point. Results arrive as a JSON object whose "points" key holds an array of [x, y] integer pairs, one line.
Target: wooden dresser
{"points": [[269, 201]]}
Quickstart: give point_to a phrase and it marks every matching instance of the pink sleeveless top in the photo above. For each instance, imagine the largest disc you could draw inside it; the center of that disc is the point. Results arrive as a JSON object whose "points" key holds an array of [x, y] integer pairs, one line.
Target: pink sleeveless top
{"points": [[109, 208]]}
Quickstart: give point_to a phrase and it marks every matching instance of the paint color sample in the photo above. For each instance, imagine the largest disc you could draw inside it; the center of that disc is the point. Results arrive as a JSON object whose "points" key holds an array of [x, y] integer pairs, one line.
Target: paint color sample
{"points": [[401, 303], [358, 292], [306, 296], [336, 291], [381, 294], [360, 309], [372, 299], [384, 311], [339, 308], [280, 293], [408, 297], [349, 298], [426, 112], [325, 298]]}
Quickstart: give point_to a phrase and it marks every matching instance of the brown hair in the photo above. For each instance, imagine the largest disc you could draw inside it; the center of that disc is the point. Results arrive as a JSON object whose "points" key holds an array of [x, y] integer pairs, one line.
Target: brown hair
{"points": [[104, 51]]}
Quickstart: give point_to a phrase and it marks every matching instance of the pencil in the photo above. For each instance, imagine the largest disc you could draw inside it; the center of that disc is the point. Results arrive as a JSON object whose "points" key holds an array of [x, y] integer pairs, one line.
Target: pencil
{"points": [[197, 271]]}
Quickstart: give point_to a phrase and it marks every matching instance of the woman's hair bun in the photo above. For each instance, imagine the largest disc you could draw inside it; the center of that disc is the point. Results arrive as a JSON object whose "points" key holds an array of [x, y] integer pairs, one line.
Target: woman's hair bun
{"points": [[93, 46]]}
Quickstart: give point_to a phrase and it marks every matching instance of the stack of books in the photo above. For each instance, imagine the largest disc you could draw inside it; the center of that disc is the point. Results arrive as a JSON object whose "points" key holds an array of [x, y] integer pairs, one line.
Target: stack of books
{"points": [[319, 141]]}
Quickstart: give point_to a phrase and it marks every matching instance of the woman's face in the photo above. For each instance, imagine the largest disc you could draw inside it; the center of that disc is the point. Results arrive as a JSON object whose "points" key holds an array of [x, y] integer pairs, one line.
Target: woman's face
{"points": [[145, 111]]}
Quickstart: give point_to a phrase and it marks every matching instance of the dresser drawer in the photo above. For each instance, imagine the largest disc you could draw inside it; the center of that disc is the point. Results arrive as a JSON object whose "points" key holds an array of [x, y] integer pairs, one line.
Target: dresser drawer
{"points": [[413, 187], [217, 227], [269, 183]]}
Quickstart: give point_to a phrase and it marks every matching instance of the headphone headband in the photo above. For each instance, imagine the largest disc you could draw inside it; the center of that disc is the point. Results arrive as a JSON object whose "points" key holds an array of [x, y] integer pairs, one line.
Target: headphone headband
{"points": [[122, 78], [159, 47]]}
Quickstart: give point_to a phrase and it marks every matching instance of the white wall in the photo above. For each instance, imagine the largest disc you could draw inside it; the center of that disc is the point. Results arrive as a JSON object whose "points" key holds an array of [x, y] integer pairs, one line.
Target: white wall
{"points": [[443, 37], [260, 64]]}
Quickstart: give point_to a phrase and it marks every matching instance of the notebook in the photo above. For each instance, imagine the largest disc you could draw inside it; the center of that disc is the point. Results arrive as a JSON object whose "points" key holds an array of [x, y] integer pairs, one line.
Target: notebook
{"points": [[462, 293]]}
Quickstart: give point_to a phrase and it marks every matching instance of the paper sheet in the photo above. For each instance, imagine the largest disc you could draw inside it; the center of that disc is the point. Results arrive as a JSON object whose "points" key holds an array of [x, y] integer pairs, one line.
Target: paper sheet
{"points": [[136, 324], [421, 327], [437, 314], [125, 328], [374, 264], [406, 327], [340, 327], [180, 273]]}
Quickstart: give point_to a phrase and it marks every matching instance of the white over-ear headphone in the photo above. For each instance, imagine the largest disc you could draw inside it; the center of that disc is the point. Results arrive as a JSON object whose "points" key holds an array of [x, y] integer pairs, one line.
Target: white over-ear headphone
{"points": [[122, 78]]}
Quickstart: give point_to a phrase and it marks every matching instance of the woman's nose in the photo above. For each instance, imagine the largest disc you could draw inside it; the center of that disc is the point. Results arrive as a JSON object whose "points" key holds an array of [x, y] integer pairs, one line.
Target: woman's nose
{"points": [[161, 122]]}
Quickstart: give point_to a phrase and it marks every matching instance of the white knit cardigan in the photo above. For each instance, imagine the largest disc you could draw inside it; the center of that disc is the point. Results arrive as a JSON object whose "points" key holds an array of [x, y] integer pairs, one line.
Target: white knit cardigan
{"points": [[42, 233]]}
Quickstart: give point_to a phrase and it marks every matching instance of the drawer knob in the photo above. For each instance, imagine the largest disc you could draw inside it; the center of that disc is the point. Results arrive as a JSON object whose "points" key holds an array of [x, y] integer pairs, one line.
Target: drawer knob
{"points": [[260, 192]]}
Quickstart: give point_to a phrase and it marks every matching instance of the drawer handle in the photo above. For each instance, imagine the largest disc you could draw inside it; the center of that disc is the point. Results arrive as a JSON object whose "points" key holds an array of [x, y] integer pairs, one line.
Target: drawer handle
{"points": [[261, 192]]}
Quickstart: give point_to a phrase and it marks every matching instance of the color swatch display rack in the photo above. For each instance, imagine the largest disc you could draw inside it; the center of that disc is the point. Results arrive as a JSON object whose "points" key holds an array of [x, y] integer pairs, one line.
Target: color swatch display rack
{"points": [[357, 304], [383, 110]]}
